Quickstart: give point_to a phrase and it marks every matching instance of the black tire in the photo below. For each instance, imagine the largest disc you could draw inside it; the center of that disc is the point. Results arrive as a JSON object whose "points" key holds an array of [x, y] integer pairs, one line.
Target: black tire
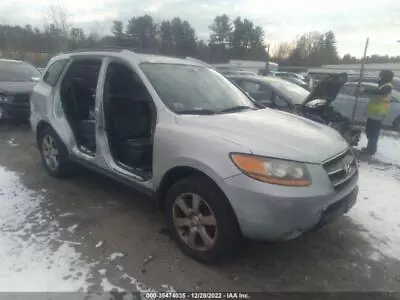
{"points": [[229, 237], [396, 124], [65, 166]]}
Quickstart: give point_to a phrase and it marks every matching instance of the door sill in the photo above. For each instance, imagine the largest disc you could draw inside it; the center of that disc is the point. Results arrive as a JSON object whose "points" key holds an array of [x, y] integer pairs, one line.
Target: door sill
{"points": [[86, 151], [145, 175], [115, 176]]}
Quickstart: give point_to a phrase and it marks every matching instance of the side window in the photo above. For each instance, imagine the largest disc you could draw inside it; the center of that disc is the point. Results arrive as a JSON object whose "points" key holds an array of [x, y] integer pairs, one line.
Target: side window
{"points": [[266, 92], [54, 71], [78, 89], [280, 102], [235, 81], [127, 103], [124, 82], [249, 86], [256, 90]]}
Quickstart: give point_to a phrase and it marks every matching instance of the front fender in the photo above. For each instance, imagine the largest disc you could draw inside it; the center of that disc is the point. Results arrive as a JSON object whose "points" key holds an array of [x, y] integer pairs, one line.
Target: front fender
{"points": [[178, 146]]}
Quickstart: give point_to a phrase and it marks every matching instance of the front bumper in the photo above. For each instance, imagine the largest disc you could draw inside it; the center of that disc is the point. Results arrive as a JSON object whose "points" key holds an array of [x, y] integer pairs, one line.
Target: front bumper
{"points": [[11, 110], [271, 212]]}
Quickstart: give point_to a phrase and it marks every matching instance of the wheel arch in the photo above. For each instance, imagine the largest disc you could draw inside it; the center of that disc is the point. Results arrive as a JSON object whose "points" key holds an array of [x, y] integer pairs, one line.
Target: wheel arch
{"points": [[39, 129], [178, 173], [171, 177]]}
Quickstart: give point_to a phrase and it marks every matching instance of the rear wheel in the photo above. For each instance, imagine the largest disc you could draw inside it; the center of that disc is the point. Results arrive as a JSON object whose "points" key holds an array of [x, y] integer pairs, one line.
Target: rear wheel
{"points": [[201, 220], [54, 153]]}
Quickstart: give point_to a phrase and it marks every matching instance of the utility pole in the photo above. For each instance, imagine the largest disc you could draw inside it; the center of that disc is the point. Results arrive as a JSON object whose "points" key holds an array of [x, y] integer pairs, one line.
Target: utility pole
{"points": [[268, 59], [360, 79]]}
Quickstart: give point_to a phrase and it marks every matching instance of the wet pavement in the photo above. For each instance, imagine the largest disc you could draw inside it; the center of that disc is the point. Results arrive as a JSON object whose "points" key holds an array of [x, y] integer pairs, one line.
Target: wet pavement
{"points": [[117, 239]]}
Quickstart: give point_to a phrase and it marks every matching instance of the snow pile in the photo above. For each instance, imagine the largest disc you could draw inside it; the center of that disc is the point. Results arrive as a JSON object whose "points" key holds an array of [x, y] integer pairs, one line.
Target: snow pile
{"points": [[378, 208], [12, 143], [31, 257], [388, 148]]}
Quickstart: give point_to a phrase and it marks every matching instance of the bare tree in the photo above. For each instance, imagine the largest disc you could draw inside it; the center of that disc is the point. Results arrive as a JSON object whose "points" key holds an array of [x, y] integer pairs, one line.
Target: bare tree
{"points": [[283, 50], [59, 25]]}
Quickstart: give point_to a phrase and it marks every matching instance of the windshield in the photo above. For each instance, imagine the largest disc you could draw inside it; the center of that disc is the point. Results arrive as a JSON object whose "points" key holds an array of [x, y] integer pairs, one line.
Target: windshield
{"points": [[18, 71], [190, 88], [292, 91]]}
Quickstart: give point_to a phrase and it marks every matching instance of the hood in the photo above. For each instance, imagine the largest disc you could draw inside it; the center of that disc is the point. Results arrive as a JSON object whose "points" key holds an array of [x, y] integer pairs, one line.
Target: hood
{"points": [[328, 88], [10, 88], [271, 133]]}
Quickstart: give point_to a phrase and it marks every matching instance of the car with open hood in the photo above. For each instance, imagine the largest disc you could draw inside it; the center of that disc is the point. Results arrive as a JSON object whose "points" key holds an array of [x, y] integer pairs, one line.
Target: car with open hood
{"points": [[219, 166], [316, 105], [346, 102], [17, 79]]}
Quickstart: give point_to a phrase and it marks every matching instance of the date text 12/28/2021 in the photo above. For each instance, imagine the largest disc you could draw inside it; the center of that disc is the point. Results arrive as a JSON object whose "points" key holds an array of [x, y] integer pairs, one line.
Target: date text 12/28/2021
{"points": [[196, 295]]}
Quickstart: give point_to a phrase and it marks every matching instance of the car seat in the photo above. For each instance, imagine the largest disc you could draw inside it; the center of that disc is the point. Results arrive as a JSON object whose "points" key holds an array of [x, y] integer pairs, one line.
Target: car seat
{"points": [[130, 123]]}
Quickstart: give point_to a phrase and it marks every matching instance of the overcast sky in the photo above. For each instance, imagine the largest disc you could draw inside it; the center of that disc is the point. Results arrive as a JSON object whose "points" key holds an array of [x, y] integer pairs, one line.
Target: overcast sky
{"points": [[351, 20]]}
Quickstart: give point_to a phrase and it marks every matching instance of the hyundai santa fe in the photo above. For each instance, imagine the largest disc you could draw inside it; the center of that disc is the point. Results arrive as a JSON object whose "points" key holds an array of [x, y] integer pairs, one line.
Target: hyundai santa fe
{"points": [[219, 166]]}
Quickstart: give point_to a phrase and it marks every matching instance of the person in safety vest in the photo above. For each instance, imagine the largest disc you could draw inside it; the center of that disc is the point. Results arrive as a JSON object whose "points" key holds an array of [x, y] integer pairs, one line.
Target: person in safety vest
{"points": [[378, 108]]}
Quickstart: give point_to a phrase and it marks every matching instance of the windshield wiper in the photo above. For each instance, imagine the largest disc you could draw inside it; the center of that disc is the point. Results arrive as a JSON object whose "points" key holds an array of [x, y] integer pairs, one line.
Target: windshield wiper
{"points": [[201, 111], [235, 109]]}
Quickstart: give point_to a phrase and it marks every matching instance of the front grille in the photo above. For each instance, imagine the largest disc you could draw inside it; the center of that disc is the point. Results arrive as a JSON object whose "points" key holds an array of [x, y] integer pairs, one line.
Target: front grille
{"points": [[22, 98], [341, 169]]}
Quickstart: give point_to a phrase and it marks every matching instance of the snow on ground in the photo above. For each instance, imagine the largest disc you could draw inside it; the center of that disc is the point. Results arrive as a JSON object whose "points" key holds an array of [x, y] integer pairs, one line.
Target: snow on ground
{"points": [[12, 143], [388, 148], [31, 257], [116, 255], [378, 207]]}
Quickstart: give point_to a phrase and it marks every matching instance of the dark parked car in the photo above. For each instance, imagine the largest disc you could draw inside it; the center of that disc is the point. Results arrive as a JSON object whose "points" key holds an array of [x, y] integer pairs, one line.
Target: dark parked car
{"points": [[17, 79], [280, 94]]}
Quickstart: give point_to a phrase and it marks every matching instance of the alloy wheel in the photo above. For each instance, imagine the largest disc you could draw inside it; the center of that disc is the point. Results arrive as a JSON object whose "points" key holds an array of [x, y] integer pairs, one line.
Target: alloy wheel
{"points": [[194, 221], [50, 152]]}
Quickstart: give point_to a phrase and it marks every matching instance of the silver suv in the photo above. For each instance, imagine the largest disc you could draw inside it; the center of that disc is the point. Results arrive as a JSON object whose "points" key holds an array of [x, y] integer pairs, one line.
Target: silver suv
{"points": [[220, 167]]}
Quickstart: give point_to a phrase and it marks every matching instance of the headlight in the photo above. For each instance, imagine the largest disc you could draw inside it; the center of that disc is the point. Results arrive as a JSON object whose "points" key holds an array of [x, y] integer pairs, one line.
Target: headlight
{"points": [[271, 170]]}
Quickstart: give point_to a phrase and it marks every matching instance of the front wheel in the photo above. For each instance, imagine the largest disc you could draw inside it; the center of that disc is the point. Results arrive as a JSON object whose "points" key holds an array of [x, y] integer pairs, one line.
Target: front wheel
{"points": [[54, 154], [201, 220]]}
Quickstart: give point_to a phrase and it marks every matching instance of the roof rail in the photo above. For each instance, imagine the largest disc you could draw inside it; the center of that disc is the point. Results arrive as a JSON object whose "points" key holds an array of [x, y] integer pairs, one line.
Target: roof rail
{"points": [[102, 49]]}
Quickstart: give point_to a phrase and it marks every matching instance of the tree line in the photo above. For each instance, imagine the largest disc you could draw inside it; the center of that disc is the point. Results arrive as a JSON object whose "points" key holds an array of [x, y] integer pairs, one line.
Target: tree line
{"points": [[238, 38]]}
